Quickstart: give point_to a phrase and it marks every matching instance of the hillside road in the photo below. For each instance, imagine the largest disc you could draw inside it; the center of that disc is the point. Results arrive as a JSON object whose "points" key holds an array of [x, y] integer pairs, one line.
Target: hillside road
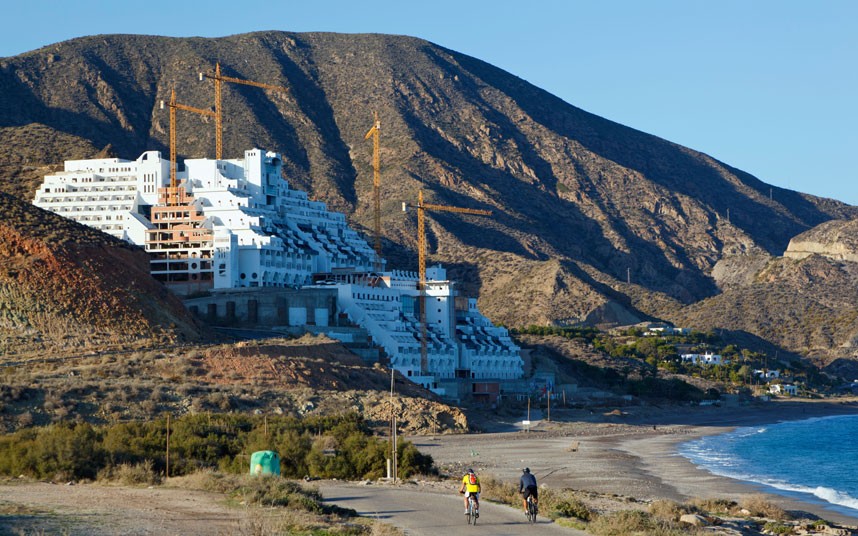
{"points": [[422, 512]]}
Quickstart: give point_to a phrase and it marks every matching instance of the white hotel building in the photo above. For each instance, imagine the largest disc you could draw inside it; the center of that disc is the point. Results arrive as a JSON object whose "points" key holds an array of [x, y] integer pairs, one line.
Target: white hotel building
{"points": [[241, 225]]}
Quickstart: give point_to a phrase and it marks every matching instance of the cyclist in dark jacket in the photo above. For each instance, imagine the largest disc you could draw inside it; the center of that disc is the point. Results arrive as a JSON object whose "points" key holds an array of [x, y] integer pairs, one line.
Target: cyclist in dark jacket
{"points": [[527, 488]]}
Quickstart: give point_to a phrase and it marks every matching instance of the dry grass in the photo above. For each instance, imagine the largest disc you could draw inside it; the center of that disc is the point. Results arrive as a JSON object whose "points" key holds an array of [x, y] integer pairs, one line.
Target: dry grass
{"points": [[759, 506], [670, 510], [142, 473]]}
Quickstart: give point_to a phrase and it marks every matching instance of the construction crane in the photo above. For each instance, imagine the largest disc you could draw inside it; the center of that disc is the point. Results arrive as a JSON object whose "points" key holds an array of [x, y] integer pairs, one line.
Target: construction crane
{"points": [[218, 113], [376, 187], [421, 259], [172, 193]]}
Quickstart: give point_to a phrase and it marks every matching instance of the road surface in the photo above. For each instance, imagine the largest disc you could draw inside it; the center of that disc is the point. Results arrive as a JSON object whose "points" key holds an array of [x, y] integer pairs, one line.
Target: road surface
{"points": [[433, 513]]}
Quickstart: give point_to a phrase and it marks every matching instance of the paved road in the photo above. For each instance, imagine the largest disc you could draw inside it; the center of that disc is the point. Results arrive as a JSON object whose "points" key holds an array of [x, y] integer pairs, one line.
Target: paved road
{"points": [[430, 513]]}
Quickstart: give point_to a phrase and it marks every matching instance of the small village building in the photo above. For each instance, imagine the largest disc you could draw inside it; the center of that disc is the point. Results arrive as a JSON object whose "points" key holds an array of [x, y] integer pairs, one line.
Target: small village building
{"points": [[703, 359], [767, 374], [783, 389]]}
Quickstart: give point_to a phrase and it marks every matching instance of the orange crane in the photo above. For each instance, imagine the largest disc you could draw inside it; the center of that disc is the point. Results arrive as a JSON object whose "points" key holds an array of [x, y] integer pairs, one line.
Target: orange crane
{"points": [[218, 113], [376, 186], [172, 193], [421, 259]]}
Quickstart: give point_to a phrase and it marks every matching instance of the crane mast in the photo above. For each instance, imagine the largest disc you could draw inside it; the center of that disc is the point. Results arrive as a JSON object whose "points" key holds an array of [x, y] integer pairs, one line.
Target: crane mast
{"points": [[218, 113], [374, 133], [421, 260], [172, 193]]}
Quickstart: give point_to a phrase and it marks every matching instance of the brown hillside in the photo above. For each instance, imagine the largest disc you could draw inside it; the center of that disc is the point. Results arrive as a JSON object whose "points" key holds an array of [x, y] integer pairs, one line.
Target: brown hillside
{"points": [[806, 305], [65, 286], [592, 220]]}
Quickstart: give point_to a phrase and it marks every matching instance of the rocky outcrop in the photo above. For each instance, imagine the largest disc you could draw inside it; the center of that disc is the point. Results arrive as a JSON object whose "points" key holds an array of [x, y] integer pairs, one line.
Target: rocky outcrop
{"points": [[836, 239]]}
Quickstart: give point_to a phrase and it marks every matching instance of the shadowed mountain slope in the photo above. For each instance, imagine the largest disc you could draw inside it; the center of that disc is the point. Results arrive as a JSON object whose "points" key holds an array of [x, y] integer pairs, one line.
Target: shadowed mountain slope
{"points": [[592, 220]]}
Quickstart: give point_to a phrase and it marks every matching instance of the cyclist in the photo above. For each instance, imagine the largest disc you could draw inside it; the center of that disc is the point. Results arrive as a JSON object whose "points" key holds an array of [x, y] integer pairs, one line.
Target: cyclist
{"points": [[527, 487], [471, 486]]}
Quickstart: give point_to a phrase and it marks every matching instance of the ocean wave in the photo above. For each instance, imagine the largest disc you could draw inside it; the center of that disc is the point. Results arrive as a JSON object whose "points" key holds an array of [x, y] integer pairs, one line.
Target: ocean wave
{"points": [[829, 495], [747, 454], [836, 497]]}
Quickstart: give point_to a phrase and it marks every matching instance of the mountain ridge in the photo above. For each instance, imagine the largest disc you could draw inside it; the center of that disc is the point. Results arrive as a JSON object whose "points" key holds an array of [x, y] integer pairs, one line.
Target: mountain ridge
{"points": [[609, 222]]}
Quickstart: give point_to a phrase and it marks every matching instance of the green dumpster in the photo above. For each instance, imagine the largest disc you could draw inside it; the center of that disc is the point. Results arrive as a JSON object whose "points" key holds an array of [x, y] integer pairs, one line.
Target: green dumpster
{"points": [[265, 462]]}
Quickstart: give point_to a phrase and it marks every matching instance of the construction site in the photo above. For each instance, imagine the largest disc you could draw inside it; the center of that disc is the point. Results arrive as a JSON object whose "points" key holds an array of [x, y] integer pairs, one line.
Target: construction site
{"points": [[247, 251]]}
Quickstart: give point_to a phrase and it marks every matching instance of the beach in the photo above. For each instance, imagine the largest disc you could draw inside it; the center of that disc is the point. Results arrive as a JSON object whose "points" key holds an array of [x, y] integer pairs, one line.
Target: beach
{"points": [[629, 452]]}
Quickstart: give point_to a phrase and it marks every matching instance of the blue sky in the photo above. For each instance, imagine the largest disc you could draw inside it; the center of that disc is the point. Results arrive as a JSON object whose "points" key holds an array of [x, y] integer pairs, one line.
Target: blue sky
{"points": [[767, 86]]}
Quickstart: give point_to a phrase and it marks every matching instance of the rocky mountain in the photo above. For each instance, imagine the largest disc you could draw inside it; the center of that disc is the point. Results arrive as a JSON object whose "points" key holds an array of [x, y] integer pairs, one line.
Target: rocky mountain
{"points": [[592, 221], [66, 287]]}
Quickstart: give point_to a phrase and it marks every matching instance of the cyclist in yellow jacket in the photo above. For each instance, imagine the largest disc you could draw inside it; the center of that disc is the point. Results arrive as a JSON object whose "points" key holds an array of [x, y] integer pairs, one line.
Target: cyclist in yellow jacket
{"points": [[471, 486]]}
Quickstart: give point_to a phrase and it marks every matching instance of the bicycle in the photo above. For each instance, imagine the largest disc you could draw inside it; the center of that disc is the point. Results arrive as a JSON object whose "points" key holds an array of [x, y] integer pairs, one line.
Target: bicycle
{"points": [[472, 510], [532, 509]]}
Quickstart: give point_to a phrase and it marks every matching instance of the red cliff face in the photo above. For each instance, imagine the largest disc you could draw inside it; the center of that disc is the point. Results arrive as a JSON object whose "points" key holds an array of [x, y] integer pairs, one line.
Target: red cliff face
{"points": [[80, 291]]}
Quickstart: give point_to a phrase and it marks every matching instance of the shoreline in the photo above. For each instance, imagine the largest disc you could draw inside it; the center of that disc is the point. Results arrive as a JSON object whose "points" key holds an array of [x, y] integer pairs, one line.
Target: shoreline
{"points": [[660, 456], [634, 452]]}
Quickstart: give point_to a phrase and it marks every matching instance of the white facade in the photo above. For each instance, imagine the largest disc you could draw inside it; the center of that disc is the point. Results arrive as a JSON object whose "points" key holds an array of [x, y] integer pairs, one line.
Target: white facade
{"points": [[251, 230], [460, 343], [266, 234], [783, 389], [703, 359], [767, 374], [109, 194]]}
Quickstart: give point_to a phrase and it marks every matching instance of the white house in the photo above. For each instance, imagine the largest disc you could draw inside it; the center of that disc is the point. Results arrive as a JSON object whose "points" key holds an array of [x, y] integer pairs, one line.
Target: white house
{"points": [[703, 359], [783, 389], [767, 374]]}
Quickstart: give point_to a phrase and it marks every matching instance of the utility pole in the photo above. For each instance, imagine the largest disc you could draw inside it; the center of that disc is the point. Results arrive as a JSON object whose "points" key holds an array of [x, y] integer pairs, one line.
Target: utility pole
{"points": [[393, 450], [168, 445], [549, 406]]}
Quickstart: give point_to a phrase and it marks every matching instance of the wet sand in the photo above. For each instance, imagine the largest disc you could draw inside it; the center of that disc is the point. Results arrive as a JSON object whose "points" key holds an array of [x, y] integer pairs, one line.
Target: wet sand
{"points": [[629, 452]]}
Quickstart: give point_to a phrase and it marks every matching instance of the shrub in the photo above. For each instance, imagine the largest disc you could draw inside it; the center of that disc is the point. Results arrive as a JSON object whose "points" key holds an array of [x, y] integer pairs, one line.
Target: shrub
{"points": [[131, 474], [621, 523], [759, 506], [715, 506], [411, 461], [570, 508], [777, 528], [200, 441], [669, 510]]}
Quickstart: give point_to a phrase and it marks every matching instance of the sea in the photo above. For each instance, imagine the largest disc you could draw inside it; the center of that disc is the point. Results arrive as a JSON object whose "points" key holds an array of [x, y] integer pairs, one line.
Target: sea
{"points": [[813, 460]]}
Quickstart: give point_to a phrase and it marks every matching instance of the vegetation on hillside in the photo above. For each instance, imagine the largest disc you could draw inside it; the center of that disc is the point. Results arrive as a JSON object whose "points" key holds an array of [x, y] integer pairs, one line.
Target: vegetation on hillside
{"points": [[649, 364]]}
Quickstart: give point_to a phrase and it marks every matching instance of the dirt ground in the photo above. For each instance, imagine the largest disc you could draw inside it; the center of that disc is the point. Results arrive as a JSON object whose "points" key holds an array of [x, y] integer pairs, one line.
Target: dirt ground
{"points": [[90, 509]]}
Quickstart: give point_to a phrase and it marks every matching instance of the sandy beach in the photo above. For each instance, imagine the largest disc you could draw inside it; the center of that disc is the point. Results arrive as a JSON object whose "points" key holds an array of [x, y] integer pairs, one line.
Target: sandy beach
{"points": [[630, 452]]}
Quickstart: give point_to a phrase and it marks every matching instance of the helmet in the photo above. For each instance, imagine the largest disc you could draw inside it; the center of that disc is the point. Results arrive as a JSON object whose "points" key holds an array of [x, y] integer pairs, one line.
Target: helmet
{"points": [[470, 471], [527, 469]]}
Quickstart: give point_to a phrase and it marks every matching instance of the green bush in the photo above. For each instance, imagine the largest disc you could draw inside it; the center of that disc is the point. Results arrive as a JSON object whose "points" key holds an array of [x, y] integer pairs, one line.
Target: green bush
{"points": [[777, 528], [62, 451], [570, 508], [329, 447]]}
